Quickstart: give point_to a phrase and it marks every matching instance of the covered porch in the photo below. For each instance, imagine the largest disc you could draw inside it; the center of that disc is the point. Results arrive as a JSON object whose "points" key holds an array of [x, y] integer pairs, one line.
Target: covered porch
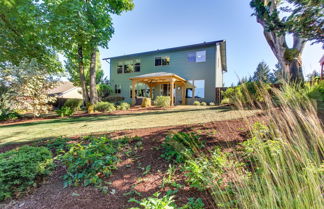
{"points": [[159, 78]]}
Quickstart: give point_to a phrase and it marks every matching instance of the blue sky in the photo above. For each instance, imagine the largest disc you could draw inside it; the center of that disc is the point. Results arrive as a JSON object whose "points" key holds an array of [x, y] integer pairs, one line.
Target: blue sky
{"points": [[159, 24]]}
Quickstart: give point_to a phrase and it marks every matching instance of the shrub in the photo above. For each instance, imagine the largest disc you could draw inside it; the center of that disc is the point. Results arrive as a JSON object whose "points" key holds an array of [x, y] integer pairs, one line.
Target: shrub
{"points": [[113, 99], [180, 146], [197, 103], [146, 102], [65, 111], [162, 101], [90, 108], [58, 146], [167, 202], [89, 164], [73, 104], [9, 116], [105, 107], [247, 93], [203, 104], [211, 104], [317, 92], [123, 106], [22, 168]]}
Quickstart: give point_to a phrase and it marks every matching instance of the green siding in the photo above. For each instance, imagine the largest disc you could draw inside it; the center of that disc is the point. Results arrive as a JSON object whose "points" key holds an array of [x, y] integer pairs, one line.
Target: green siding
{"points": [[179, 65]]}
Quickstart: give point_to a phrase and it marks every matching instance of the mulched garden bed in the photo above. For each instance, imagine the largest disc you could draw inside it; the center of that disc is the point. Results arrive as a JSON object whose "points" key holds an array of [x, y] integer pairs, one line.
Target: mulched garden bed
{"points": [[129, 175]]}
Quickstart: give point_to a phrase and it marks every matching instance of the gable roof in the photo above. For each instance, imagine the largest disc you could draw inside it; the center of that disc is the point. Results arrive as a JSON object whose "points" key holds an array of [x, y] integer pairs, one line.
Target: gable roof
{"points": [[204, 44], [62, 87]]}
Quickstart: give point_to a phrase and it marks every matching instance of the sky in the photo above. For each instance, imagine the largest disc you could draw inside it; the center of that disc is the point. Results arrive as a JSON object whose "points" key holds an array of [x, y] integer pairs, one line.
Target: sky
{"points": [[159, 24]]}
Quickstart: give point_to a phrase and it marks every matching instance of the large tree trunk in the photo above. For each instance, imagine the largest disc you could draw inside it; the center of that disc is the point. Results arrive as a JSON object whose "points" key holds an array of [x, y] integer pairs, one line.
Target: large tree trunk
{"points": [[289, 58], [93, 88], [82, 77]]}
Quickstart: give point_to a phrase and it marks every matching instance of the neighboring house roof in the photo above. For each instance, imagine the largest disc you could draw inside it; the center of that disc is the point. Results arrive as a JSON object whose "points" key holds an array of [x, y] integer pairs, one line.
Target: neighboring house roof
{"points": [[62, 87], [66, 90], [204, 44]]}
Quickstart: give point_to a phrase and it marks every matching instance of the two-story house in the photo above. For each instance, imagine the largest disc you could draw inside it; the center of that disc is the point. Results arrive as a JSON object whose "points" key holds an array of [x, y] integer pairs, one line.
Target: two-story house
{"points": [[185, 73]]}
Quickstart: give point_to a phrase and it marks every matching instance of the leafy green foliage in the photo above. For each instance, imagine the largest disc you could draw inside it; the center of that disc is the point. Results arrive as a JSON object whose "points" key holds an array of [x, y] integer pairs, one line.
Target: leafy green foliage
{"points": [[89, 164], [4, 116], [65, 111], [162, 101], [166, 202], [20, 169], [317, 91], [246, 94], [200, 171], [203, 104], [197, 103], [74, 104], [105, 107], [123, 106], [58, 146], [180, 146], [22, 30]]}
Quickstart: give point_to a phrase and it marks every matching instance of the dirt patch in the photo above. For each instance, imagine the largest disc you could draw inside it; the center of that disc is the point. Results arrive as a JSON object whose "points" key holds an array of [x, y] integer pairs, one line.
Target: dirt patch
{"points": [[129, 180]]}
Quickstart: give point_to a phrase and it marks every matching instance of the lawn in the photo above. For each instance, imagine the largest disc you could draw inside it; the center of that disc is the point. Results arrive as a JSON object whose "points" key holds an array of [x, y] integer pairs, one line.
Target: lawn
{"points": [[68, 127]]}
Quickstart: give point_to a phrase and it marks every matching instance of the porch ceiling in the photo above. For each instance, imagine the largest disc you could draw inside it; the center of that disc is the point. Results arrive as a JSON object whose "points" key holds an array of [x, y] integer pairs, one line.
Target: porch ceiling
{"points": [[158, 78]]}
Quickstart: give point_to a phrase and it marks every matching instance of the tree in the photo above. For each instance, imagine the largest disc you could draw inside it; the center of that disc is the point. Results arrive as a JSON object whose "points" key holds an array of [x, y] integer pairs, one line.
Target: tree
{"points": [[277, 74], [313, 75], [279, 19], [86, 25], [262, 73], [22, 35], [29, 84]]}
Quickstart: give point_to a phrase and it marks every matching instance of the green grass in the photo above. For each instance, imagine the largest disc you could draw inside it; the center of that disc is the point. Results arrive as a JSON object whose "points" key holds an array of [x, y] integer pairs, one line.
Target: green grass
{"points": [[68, 127]]}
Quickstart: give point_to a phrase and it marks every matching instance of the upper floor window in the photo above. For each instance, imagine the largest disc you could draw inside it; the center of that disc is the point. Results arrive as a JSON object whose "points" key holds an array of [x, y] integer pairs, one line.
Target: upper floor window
{"points": [[137, 66], [119, 69], [129, 66], [199, 56], [161, 61]]}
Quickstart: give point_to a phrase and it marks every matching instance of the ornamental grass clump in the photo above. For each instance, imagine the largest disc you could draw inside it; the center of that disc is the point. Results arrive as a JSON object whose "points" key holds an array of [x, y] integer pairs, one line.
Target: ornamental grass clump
{"points": [[279, 166]]}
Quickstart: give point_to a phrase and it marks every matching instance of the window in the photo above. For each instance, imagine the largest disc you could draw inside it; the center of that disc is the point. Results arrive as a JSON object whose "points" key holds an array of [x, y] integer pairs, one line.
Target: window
{"points": [[192, 57], [128, 67], [199, 56], [117, 88], [189, 93], [199, 88], [162, 61], [137, 67], [120, 68]]}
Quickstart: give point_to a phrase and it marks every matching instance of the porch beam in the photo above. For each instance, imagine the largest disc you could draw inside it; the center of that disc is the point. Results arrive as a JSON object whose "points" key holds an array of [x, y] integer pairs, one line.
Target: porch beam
{"points": [[172, 80]]}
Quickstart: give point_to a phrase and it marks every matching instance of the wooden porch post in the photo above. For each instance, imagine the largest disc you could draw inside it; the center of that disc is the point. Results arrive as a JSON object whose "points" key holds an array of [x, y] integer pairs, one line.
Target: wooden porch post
{"points": [[171, 91], [133, 92], [183, 94], [151, 91]]}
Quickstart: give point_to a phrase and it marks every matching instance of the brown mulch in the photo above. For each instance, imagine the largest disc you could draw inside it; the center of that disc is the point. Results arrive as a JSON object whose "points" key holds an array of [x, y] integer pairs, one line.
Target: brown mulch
{"points": [[129, 175]]}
